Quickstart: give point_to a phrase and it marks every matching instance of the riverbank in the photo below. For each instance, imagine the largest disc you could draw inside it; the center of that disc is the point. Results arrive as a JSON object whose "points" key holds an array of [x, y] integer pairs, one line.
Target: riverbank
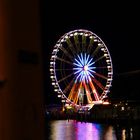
{"points": [[122, 113], [87, 117]]}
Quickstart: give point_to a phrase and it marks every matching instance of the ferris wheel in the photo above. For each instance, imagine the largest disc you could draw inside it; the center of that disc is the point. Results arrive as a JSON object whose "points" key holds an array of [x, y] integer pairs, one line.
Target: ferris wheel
{"points": [[81, 69]]}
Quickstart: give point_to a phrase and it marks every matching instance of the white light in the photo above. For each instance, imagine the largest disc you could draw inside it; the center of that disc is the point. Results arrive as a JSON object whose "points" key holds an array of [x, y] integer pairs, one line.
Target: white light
{"points": [[108, 66], [55, 90], [106, 91], [62, 40], [108, 85], [104, 96], [66, 37], [55, 50], [85, 68], [63, 101], [107, 60], [51, 62], [109, 79], [91, 37], [106, 103], [53, 83], [122, 108], [71, 34], [98, 102], [100, 44], [76, 33], [102, 49], [51, 77], [105, 54], [110, 73], [53, 56], [58, 45]]}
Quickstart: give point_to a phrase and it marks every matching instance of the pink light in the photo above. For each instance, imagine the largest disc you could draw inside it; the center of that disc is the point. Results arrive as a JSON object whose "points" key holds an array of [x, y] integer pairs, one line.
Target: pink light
{"points": [[87, 131]]}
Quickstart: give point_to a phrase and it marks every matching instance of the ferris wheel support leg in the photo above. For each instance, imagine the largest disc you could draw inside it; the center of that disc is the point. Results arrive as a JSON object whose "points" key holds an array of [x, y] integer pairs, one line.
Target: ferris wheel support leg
{"points": [[94, 91], [87, 93]]}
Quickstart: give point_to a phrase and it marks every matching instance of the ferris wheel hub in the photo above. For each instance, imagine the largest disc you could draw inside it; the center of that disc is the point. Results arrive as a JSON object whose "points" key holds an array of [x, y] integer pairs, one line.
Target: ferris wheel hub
{"points": [[85, 68]]}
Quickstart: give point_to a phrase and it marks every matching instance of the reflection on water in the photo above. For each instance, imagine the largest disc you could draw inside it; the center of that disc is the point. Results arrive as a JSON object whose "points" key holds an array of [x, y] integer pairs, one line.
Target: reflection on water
{"points": [[73, 130]]}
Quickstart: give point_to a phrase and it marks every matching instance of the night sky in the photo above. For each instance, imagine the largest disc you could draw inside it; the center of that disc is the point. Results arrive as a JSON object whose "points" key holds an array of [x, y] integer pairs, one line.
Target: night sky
{"points": [[117, 24]]}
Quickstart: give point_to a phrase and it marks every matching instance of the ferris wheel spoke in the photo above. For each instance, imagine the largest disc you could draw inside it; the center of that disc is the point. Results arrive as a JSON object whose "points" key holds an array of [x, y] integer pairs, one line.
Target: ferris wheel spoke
{"points": [[89, 61], [103, 67], [77, 44], [90, 74], [63, 69], [85, 57], [87, 78], [73, 86], [90, 44], [83, 43], [79, 70], [98, 83], [78, 92], [82, 76], [74, 93], [63, 60], [66, 53], [96, 50], [73, 89], [91, 71], [86, 60], [91, 64], [94, 90], [78, 63], [79, 75], [64, 78], [81, 60], [70, 45], [100, 75], [91, 68], [68, 86], [87, 93], [101, 57]]}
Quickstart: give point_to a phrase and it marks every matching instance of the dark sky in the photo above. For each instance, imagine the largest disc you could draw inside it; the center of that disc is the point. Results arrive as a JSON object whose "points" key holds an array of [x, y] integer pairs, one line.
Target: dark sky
{"points": [[117, 24]]}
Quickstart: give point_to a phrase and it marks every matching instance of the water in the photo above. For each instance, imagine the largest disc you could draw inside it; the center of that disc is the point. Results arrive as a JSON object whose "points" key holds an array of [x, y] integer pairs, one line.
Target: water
{"points": [[74, 130]]}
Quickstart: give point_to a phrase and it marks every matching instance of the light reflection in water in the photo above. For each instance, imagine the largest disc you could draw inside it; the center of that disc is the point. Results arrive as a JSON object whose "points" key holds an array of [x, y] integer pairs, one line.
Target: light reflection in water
{"points": [[62, 130], [109, 134], [123, 134], [72, 130], [88, 131]]}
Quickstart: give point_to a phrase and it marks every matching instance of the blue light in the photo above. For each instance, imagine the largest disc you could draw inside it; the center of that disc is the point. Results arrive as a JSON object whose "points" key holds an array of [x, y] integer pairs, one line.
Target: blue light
{"points": [[83, 67]]}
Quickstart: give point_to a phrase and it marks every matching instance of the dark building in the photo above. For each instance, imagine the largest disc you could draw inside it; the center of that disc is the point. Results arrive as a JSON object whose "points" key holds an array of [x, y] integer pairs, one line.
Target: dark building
{"points": [[21, 87]]}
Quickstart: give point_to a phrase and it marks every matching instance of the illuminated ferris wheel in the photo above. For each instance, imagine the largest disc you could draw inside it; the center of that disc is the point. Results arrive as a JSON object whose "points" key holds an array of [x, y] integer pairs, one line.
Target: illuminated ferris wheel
{"points": [[81, 69]]}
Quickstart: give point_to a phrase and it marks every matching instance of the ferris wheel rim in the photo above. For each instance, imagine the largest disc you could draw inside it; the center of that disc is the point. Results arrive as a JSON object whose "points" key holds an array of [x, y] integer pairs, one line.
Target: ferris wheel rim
{"points": [[54, 55]]}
